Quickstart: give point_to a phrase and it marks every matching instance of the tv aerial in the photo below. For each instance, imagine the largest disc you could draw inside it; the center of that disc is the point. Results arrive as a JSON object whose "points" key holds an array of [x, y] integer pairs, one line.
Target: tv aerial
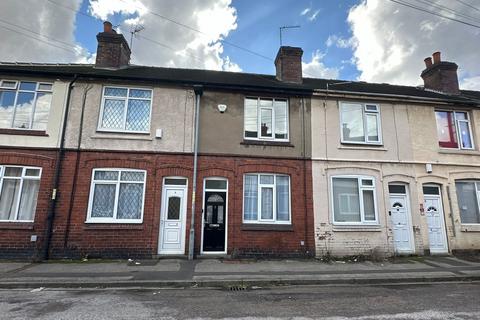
{"points": [[134, 32]]}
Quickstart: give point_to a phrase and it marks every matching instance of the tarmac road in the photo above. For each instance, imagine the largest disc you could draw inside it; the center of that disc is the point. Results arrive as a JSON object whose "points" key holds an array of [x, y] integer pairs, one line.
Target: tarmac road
{"points": [[419, 301]]}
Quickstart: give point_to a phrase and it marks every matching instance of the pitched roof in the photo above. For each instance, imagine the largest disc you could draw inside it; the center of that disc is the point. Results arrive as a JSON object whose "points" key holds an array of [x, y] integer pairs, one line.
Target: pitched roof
{"points": [[224, 79]]}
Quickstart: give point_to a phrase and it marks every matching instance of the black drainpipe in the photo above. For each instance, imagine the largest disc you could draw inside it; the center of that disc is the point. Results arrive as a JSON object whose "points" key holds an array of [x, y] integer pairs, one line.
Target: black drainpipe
{"points": [[56, 178]]}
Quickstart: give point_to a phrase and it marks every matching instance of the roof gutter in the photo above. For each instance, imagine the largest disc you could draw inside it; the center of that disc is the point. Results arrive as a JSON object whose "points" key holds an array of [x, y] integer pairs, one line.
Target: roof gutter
{"points": [[338, 93], [57, 173]]}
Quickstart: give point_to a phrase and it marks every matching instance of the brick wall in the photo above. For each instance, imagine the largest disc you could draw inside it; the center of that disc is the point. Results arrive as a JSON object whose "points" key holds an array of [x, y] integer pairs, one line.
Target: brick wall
{"points": [[15, 237], [76, 238]]}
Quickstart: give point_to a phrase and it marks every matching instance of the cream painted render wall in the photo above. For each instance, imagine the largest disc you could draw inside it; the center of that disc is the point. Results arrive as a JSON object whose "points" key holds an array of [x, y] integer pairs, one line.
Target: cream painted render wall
{"points": [[410, 141], [172, 111], [55, 119]]}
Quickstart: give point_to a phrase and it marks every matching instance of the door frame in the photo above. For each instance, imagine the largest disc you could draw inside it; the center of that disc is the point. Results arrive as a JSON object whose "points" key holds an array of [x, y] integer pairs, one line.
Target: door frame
{"points": [[409, 216], [444, 226], [166, 187], [203, 217]]}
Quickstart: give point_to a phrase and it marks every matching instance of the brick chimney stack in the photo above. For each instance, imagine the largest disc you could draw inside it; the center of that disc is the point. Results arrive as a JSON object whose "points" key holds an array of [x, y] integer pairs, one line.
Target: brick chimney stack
{"points": [[112, 50], [440, 75], [288, 64]]}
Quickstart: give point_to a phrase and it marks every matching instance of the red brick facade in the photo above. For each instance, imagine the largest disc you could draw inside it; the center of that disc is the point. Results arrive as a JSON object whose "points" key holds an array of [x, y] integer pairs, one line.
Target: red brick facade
{"points": [[74, 238], [15, 237]]}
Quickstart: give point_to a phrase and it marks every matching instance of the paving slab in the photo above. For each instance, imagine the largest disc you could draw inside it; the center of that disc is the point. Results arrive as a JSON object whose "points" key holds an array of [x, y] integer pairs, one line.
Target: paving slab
{"points": [[11, 266]]}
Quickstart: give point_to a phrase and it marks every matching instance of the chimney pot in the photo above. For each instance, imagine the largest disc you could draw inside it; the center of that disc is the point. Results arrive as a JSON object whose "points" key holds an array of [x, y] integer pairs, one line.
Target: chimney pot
{"points": [[428, 62], [288, 64], [437, 57], [107, 27]]}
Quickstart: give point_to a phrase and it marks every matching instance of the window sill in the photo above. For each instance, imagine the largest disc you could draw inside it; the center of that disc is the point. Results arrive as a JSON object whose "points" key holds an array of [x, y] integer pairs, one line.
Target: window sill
{"points": [[357, 228], [123, 136], [24, 132], [16, 225], [459, 151], [268, 143], [470, 228], [112, 226], [373, 147], [266, 227]]}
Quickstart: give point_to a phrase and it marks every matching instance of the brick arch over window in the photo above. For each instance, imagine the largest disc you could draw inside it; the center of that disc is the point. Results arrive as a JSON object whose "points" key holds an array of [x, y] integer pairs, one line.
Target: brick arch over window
{"points": [[132, 163], [27, 159]]}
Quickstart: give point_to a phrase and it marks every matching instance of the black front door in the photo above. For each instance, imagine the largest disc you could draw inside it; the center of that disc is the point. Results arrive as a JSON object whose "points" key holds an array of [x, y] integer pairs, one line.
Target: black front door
{"points": [[214, 221]]}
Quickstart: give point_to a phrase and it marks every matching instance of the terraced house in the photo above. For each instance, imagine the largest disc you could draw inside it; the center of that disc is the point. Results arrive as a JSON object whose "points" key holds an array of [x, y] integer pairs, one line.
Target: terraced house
{"points": [[119, 160]]}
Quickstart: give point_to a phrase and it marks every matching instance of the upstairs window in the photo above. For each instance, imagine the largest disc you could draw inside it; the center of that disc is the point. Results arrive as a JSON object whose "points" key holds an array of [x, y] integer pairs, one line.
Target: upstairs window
{"points": [[266, 119], [25, 104], [354, 200], [125, 110], [360, 123], [454, 129], [117, 196], [18, 192], [468, 194], [266, 198]]}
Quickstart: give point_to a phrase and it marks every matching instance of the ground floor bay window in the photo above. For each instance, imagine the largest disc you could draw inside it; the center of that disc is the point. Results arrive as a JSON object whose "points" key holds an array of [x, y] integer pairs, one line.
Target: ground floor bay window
{"points": [[354, 200], [468, 194], [117, 196], [18, 192], [266, 198]]}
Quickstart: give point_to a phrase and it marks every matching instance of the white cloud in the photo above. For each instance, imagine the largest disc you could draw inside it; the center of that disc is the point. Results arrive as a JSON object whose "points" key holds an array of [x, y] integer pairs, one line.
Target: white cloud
{"points": [[314, 15], [180, 47], [472, 83], [317, 69], [339, 42], [391, 41], [57, 24], [305, 11]]}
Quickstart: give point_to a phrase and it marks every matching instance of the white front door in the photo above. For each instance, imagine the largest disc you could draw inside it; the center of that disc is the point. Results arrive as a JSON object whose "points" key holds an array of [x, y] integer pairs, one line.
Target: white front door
{"points": [[436, 225], [172, 221], [402, 229]]}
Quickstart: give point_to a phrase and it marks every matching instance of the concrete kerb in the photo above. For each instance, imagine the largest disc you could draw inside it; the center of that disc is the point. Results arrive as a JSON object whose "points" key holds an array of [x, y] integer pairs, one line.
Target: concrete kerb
{"points": [[229, 284]]}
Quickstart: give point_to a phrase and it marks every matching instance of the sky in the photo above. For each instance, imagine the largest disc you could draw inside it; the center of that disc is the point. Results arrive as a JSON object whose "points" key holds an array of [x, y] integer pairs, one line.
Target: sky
{"points": [[366, 40]]}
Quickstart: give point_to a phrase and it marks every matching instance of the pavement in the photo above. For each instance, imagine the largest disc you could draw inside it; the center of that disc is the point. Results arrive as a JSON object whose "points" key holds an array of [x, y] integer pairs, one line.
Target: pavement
{"points": [[233, 274]]}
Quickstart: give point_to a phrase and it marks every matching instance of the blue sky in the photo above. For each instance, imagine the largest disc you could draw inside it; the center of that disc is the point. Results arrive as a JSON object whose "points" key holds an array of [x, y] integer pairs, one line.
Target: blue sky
{"points": [[367, 40], [257, 29]]}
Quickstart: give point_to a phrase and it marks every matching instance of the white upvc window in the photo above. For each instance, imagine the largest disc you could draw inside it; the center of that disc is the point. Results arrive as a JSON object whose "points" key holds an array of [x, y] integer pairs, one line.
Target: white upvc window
{"points": [[266, 119], [117, 196], [125, 110], [19, 192], [354, 200], [360, 123], [266, 198], [25, 104], [468, 194], [454, 129]]}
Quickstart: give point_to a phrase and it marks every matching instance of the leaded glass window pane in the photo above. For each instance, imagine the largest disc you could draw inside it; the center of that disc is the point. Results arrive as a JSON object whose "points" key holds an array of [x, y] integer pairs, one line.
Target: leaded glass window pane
{"points": [[173, 211], [139, 93], [106, 175], [116, 92], [130, 201], [138, 115], [132, 176], [103, 201], [113, 114]]}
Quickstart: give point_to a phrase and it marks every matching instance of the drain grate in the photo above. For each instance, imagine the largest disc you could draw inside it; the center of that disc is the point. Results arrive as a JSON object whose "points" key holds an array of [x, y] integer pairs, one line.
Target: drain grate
{"points": [[237, 288]]}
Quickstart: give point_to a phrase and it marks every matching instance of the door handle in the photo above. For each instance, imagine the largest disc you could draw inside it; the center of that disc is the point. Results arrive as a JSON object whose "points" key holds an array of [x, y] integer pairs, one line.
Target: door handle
{"points": [[389, 213]]}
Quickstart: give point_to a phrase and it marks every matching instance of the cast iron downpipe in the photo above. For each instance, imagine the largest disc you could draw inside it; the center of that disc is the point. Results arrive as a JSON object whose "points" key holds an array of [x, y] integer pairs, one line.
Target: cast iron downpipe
{"points": [[191, 239], [56, 177]]}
